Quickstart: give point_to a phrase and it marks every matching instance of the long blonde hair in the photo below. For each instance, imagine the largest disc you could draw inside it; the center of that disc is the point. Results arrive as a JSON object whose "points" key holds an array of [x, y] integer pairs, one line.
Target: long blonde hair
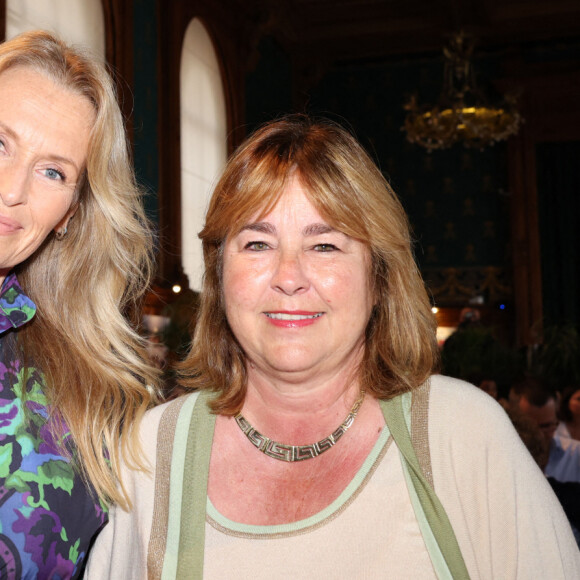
{"points": [[85, 284], [350, 192]]}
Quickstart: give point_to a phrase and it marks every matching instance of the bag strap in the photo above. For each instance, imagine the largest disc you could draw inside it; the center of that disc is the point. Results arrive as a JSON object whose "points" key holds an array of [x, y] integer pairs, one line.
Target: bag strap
{"points": [[433, 510]]}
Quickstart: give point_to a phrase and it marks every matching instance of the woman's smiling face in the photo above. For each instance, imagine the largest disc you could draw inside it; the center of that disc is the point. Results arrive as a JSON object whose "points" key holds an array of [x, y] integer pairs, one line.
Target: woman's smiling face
{"points": [[296, 290], [44, 140]]}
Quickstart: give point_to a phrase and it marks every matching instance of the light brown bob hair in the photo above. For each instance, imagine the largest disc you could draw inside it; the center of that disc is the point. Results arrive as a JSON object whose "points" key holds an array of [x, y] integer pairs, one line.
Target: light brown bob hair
{"points": [[348, 191], [94, 362]]}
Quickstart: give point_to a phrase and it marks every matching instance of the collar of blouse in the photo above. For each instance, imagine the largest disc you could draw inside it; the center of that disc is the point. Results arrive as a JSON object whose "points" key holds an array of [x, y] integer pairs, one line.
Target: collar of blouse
{"points": [[16, 309]]}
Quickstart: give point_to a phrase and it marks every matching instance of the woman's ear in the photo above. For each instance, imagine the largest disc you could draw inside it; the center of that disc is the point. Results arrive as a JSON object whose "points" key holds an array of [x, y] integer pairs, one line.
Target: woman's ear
{"points": [[61, 228]]}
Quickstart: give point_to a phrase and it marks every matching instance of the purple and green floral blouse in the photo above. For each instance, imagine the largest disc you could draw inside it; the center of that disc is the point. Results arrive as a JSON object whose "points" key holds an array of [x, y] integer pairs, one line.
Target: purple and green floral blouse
{"points": [[48, 516]]}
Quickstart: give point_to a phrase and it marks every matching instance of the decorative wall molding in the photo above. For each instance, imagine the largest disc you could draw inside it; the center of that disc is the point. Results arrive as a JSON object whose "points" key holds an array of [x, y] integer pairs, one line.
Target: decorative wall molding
{"points": [[457, 286]]}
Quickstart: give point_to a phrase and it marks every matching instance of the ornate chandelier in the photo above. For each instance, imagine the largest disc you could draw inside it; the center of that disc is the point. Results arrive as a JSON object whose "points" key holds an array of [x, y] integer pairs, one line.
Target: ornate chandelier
{"points": [[462, 114]]}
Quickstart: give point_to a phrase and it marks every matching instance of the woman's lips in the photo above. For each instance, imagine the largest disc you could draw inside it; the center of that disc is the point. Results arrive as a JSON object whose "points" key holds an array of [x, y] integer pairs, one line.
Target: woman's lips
{"points": [[8, 225], [293, 319]]}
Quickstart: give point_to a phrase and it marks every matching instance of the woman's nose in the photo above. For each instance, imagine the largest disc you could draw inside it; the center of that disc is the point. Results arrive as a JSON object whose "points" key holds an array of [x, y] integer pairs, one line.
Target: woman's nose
{"points": [[290, 276], [13, 185]]}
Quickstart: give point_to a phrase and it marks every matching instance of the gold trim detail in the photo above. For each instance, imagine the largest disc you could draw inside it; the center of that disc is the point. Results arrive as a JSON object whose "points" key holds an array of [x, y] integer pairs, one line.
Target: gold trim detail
{"points": [[420, 428], [158, 538]]}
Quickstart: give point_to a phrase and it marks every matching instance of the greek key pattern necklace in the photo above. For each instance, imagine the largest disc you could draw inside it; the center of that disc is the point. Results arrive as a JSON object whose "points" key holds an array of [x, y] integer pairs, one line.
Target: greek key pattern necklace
{"points": [[292, 453]]}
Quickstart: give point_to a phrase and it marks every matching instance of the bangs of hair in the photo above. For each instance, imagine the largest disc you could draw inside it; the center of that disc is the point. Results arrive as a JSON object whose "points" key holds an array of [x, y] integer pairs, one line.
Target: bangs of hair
{"points": [[333, 168], [253, 195]]}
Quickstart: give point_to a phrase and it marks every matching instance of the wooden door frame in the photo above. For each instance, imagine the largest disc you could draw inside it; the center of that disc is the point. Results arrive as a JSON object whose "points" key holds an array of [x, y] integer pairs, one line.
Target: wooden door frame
{"points": [[173, 19], [550, 105]]}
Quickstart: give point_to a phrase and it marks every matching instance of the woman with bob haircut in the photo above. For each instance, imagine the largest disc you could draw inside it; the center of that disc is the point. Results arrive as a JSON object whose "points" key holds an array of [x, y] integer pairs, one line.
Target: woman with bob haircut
{"points": [[72, 374], [318, 442]]}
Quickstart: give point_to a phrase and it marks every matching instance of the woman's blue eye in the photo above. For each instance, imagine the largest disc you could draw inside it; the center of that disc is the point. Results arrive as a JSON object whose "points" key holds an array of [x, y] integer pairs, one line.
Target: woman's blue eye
{"points": [[54, 174]]}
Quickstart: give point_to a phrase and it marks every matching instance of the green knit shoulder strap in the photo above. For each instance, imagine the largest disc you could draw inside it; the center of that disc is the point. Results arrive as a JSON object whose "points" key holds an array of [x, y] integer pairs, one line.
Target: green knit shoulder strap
{"points": [[429, 504], [194, 499], [176, 548]]}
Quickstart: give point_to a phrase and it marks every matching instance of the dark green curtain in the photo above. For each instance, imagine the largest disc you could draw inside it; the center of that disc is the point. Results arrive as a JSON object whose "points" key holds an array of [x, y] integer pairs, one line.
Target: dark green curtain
{"points": [[558, 173]]}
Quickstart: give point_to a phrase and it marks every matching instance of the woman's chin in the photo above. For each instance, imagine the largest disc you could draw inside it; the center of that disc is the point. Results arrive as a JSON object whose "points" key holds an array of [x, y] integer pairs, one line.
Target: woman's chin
{"points": [[289, 364]]}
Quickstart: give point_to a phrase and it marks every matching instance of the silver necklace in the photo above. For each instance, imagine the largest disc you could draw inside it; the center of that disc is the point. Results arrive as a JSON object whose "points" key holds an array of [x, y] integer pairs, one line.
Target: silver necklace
{"points": [[292, 453]]}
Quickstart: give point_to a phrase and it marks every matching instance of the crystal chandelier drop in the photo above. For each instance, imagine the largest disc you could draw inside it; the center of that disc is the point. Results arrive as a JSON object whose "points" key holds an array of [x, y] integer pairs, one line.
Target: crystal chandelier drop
{"points": [[462, 114]]}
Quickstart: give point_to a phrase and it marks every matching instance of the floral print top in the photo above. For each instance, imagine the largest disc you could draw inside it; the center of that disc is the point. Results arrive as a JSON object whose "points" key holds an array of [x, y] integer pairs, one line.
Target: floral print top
{"points": [[48, 516]]}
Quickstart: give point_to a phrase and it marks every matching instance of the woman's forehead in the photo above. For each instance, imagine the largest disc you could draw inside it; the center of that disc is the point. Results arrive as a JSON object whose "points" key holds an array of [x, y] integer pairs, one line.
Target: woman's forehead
{"points": [[291, 202]]}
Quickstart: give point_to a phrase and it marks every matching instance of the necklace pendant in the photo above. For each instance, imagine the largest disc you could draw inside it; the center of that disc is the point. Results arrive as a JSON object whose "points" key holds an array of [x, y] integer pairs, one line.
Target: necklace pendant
{"points": [[279, 451]]}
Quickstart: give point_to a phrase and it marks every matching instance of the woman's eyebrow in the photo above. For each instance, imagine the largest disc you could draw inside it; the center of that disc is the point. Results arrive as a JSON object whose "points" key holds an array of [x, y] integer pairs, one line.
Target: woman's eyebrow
{"points": [[318, 229], [314, 229], [65, 161], [10, 132], [262, 227]]}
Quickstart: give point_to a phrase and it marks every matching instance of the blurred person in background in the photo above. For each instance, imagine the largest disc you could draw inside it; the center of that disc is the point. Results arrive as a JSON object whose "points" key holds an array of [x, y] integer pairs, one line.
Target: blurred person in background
{"points": [[539, 403]]}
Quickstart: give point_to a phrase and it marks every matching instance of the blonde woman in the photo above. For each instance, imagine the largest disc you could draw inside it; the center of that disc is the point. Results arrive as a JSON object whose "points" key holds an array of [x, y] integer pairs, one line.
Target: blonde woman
{"points": [[319, 442], [74, 259]]}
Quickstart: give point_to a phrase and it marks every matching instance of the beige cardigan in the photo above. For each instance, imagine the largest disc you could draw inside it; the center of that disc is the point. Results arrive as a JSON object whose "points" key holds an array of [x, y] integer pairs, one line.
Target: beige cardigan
{"points": [[507, 521]]}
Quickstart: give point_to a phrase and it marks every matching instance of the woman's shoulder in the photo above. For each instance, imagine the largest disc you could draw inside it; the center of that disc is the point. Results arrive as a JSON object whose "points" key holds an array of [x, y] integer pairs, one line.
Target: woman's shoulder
{"points": [[457, 391], [457, 405], [156, 433], [155, 414], [506, 518], [165, 415]]}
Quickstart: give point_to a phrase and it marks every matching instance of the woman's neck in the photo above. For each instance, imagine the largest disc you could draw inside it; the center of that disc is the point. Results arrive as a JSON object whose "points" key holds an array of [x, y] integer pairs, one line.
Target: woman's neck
{"points": [[299, 413]]}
